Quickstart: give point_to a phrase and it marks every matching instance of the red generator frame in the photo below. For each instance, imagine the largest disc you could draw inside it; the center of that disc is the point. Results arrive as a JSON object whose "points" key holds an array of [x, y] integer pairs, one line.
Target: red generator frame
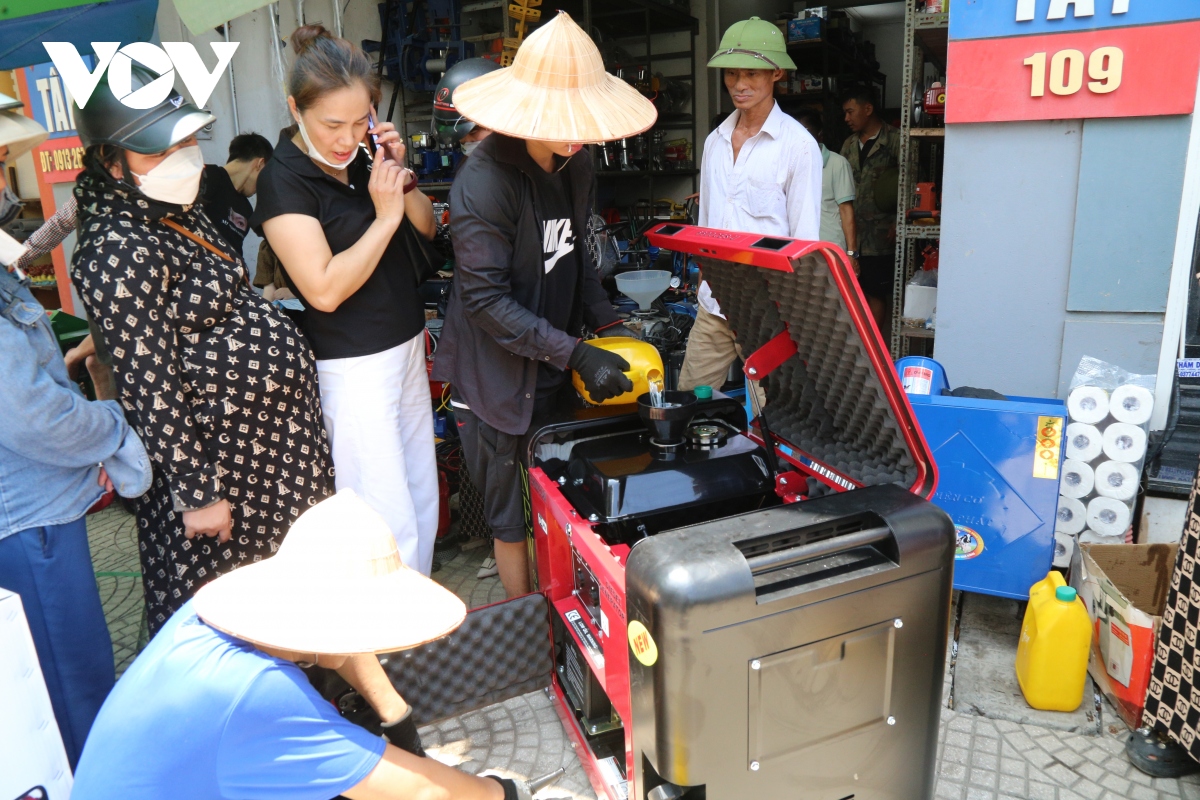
{"points": [[559, 532]]}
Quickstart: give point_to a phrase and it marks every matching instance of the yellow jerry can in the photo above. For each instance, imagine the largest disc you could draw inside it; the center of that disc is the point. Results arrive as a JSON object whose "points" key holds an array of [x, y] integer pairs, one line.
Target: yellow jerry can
{"points": [[645, 367], [1052, 654]]}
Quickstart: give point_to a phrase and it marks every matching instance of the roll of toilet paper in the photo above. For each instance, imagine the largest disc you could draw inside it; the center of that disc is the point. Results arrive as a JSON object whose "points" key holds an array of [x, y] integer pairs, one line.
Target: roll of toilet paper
{"points": [[1089, 536], [1108, 517], [1117, 480], [1124, 442], [1072, 516], [1084, 442], [1131, 404], [1064, 548], [1088, 404], [1077, 479]]}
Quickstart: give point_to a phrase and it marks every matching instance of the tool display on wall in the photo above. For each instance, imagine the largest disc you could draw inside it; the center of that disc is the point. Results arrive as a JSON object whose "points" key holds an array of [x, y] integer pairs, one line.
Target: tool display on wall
{"points": [[524, 12], [421, 40]]}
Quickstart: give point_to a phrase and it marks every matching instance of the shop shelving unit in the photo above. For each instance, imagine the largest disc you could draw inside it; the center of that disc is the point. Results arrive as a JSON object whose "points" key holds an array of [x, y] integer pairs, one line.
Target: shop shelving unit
{"points": [[841, 68], [652, 33], [925, 42]]}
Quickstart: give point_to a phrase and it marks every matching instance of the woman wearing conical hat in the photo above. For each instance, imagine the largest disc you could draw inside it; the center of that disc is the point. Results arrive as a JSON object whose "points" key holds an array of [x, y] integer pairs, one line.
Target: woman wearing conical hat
{"points": [[218, 706], [524, 286]]}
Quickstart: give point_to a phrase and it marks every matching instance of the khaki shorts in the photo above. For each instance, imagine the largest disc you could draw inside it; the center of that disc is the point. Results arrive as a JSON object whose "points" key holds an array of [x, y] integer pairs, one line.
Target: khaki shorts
{"points": [[711, 350]]}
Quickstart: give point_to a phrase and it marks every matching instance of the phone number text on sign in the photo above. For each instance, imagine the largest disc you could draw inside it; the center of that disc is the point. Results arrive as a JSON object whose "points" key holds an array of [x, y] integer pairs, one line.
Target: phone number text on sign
{"points": [[1119, 72]]}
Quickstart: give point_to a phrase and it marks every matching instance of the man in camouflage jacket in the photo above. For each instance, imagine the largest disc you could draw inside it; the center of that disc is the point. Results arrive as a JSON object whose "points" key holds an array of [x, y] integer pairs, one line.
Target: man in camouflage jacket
{"points": [[873, 150]]}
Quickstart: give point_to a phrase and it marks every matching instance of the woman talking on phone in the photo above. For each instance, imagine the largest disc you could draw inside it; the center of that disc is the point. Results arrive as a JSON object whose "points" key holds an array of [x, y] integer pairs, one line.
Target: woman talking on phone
{"points": [[336, 216]]}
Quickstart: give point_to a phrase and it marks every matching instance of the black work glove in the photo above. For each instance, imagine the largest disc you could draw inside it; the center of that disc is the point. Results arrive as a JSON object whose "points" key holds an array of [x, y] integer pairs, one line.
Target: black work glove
{"points": [[616, 329], [513, 790], [602, 372], [402, 733]]}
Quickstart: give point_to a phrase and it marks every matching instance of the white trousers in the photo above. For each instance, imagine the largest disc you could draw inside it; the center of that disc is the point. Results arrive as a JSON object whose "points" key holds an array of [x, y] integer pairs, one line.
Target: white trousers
{"points": [[380, 423]]}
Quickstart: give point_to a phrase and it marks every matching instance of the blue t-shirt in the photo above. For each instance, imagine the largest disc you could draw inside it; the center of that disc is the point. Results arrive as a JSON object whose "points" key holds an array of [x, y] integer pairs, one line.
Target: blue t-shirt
{"points": [[201, 715]]}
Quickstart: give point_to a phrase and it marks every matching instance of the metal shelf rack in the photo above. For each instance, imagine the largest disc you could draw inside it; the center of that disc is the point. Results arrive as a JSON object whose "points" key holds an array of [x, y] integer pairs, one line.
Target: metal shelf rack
{"points": [[925, 41], [645, 25]]}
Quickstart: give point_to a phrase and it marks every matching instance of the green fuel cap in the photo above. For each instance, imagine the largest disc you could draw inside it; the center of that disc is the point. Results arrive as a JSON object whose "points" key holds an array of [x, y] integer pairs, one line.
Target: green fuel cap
{"points": [[1065, 594]]}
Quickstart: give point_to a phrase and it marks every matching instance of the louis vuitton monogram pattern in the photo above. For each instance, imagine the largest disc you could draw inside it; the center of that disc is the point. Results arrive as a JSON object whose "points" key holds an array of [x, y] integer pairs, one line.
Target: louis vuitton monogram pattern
{"points": [[1173, 699], [220, 386]]}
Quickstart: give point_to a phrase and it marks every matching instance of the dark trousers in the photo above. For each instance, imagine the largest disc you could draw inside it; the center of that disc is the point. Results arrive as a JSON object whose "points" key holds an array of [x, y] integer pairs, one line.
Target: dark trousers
{"points": [[51, 569]]}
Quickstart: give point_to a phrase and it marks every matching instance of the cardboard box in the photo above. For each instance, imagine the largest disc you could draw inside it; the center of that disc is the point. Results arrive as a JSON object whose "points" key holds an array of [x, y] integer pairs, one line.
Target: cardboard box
{"points": [[1124, 587], [31, 750]]}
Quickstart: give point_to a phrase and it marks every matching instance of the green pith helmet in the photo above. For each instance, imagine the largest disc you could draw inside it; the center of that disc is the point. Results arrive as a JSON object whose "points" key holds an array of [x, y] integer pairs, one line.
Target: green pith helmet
{"points": [[106, 120], [752, 44]]}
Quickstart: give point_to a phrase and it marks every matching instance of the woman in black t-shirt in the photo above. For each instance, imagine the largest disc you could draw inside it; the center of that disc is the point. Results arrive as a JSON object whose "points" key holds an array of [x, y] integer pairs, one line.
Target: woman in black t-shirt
{"points": [[333, 216]]}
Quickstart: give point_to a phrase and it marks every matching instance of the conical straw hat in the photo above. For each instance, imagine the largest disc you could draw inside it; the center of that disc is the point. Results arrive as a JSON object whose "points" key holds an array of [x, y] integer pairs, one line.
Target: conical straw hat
{"points": [[335, 586], [557, 91], [18, 131]]}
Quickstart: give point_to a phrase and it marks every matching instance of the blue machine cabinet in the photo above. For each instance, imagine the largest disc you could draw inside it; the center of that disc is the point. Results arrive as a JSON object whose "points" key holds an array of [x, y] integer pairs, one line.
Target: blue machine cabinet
{"points": [[998, 465]]}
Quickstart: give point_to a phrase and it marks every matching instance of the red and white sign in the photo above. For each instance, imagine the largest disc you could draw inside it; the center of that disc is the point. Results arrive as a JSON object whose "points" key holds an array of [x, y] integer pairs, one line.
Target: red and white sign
{"points": [[59, 160], [1118, 72]]}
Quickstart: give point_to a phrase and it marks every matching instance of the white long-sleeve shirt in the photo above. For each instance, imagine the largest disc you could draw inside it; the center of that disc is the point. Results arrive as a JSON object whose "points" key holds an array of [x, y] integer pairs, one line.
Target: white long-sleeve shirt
{"points": [[773, 188]]}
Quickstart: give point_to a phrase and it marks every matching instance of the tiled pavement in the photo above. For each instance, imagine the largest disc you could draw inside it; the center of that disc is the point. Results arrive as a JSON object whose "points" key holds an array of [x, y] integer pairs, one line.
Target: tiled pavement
{"points": [[112, 535], [459, 575], [521, 737], [978, 758]]}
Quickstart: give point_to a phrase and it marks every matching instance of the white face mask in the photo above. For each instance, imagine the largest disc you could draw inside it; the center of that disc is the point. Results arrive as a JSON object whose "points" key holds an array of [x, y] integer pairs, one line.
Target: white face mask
{"points": [[176, 179], [315, 154], [467, 147]]}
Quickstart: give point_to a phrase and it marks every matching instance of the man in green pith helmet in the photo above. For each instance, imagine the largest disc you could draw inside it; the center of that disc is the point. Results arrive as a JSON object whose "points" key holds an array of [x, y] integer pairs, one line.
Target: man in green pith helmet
{"points": [[761, 173]]}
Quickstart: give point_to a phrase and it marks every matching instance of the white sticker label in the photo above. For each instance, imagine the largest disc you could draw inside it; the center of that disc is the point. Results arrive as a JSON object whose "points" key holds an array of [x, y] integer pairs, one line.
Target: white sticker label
{"points": [[917, 380], [1116, 642], [611, 774], [542, 523], [1188, 367], [603, 622]]}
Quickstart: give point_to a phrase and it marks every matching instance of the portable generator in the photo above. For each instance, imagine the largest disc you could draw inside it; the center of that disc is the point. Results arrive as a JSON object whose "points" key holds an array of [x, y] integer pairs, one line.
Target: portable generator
{"points": [[731, 609], [716, 632]]}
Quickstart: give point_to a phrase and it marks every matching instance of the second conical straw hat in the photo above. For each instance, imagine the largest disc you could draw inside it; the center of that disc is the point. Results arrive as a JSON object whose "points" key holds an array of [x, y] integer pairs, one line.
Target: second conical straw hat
{"points": [[556, 90]]}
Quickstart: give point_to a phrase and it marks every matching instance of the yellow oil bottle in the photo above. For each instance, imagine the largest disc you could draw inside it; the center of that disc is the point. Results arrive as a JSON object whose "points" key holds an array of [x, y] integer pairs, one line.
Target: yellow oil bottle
{"points": [[1052, 655], [645, 367]]}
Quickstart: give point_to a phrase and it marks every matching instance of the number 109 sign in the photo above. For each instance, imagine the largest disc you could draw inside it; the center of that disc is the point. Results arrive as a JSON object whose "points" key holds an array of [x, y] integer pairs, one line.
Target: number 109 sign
{"points": [[1118, 72]]}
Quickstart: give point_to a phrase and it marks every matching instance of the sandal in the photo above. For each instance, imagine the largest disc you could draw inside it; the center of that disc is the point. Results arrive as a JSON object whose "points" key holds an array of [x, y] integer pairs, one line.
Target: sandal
{"points": [[488, 568], [1159, 757]]}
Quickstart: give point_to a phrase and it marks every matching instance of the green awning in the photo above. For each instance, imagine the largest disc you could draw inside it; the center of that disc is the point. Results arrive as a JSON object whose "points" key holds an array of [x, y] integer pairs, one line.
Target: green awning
{"points": [[204, 15], [12, 9]]}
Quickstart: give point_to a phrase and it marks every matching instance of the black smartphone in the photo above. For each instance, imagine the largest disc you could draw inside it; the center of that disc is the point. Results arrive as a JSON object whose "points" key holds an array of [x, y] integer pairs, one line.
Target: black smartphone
{"points": [[372, 139]]}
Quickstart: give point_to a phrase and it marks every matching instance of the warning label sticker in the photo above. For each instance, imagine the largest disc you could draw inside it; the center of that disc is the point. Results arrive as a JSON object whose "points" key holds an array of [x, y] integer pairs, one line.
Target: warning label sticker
{"points": [[917, 380], [1049, 445]]}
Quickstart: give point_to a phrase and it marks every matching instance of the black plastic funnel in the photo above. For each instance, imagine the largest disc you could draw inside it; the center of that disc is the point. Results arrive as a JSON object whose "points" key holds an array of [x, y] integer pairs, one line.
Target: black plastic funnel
{"points": [[669, 422]]}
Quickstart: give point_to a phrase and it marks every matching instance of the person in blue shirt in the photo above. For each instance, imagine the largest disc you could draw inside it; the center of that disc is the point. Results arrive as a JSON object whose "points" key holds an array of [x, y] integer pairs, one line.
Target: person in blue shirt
{"points": [[217, 705], [59, 454]]}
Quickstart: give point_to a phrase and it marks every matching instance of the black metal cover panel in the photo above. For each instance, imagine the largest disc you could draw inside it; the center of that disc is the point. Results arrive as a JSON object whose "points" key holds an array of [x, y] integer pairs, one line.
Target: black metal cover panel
{"points": [[499, 652], [826, 400], [626, 475]]}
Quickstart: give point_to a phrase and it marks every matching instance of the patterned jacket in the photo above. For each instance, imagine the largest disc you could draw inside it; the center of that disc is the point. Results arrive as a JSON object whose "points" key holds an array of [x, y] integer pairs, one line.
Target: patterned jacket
{"points": [[218, 383], [882, 161]]}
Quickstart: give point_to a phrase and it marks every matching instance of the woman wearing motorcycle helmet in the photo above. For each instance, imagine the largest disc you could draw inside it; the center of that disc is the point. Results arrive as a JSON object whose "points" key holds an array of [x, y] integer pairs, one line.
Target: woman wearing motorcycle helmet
{"points": [[451, 126], [219, 385]]}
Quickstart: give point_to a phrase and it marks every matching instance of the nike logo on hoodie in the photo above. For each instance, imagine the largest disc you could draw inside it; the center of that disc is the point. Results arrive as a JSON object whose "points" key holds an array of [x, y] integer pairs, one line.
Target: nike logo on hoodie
{"points": [[558, 240]]}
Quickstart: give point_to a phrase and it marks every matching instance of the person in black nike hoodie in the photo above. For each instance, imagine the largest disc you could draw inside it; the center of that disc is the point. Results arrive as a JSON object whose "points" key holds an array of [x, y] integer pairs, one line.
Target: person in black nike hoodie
{"points": [[525, 287]]}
